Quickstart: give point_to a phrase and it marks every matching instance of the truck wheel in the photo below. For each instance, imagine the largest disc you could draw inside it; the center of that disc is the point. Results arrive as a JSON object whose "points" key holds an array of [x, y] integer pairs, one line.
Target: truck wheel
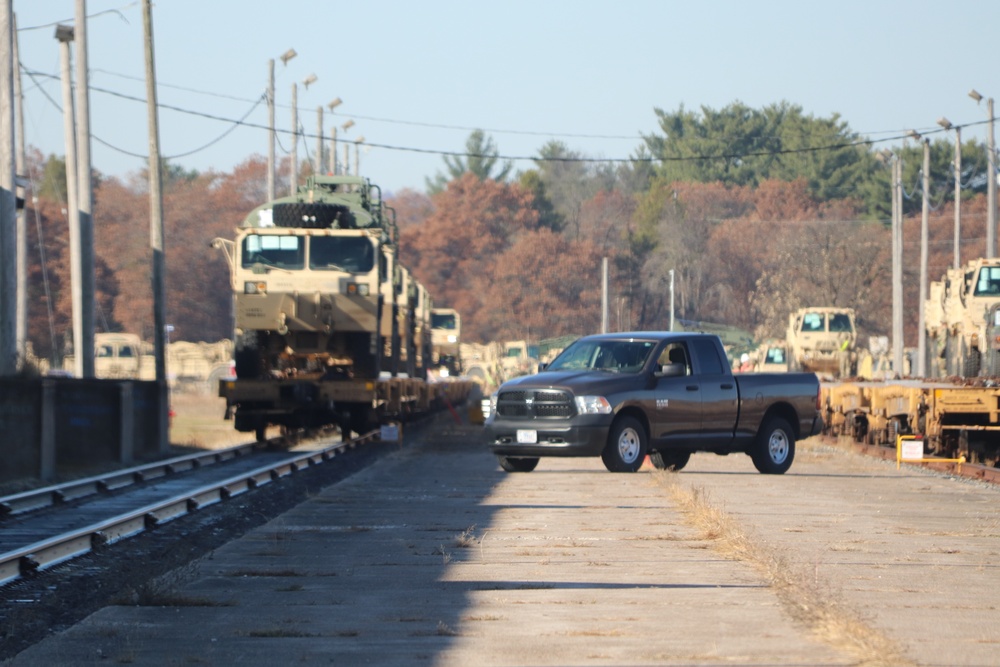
{"points": [[626, 447], [511, 464], [669, 460], [774, 448]]}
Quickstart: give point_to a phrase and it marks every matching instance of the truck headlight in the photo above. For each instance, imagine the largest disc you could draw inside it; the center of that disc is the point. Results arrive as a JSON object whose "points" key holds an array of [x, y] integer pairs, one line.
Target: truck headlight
{"points": [[493, 404], [592, 405], [255, 287]]}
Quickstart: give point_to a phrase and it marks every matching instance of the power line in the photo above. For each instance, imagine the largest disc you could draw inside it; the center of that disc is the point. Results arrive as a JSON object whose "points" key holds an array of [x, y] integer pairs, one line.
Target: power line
{"points": [[532, 158]]}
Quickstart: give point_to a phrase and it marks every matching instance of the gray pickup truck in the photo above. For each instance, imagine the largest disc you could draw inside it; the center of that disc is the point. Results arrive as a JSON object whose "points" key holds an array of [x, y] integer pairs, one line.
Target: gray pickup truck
{"points": [[625, 395]]}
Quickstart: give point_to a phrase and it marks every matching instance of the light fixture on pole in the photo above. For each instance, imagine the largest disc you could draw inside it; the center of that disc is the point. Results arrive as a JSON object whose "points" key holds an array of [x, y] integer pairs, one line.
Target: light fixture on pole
{"points": [[309, 80], [334, 103], [946, 124], [288, 55], [991, 181]]}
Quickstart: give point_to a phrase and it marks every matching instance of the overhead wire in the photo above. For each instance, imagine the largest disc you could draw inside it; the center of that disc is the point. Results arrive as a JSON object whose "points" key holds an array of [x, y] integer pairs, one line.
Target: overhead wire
{"points": [[532, 158]]}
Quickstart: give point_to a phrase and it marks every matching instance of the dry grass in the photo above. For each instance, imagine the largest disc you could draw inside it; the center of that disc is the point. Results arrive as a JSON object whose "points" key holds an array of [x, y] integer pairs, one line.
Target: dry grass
{"points": [[797, 589]]}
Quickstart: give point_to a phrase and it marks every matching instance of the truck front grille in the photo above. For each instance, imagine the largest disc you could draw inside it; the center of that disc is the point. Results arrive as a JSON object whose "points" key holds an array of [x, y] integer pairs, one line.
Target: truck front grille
{"points": [[532, 404]]}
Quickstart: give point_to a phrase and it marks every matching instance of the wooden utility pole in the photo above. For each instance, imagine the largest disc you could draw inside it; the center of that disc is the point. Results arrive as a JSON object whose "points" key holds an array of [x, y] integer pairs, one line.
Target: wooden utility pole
{"points": [[156, 226], [991, 185], [897, 266], [8, 199], [85, 193]]}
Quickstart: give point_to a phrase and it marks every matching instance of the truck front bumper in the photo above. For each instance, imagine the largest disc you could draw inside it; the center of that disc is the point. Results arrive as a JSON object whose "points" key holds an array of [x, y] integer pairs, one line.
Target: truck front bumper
{"points": [[584, 436]]}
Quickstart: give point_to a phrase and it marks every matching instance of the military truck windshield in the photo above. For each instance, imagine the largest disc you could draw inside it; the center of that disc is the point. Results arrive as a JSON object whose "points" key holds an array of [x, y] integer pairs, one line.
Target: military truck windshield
{"points": [[813, 322], [619, 356], [353, 254], [840, 322], [988, 283], [443, 321], [775, 355], [282, 252]]}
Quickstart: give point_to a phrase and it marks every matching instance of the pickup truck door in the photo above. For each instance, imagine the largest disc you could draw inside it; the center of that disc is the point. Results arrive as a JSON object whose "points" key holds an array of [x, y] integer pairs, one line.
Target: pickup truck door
{"points": [[676, 415], [719, 394]]}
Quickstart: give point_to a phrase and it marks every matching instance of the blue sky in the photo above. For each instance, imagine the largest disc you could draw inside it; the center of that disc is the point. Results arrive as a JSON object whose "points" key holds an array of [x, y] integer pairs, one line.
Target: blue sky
{"points": [[423, 75]]}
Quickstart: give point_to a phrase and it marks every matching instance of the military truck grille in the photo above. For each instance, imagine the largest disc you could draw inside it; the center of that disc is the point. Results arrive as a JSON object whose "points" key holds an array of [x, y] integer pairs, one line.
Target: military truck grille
{"points": [[531, 404]]}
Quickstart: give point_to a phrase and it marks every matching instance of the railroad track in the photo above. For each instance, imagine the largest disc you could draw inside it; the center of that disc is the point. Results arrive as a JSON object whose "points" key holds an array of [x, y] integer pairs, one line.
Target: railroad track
{"points": [[48, 526], [976, 471]]}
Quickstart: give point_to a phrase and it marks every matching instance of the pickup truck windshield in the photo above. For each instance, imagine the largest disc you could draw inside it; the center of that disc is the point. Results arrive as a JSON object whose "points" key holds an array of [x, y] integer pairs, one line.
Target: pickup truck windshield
{"points": [[618, 356]]}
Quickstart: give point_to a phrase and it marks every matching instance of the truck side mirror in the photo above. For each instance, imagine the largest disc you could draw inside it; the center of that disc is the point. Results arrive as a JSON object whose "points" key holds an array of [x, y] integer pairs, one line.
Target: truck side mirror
{"points": [[671, 370]]}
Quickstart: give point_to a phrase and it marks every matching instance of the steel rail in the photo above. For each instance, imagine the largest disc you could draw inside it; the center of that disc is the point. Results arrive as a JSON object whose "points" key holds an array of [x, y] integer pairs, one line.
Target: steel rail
{"points": [[969, 470], [46, 553]]}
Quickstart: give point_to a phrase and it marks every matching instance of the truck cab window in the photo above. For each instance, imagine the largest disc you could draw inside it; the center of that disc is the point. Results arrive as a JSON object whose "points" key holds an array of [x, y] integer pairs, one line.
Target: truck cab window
{"points": [[283, 252], [707, 356]]}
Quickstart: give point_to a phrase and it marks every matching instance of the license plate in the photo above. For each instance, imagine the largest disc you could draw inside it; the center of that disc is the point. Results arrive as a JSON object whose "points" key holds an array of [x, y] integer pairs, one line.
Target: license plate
{"points": [[527, 436]]}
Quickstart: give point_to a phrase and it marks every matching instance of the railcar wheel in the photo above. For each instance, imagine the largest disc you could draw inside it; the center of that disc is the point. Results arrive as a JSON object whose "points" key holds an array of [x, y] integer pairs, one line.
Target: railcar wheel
{"points": [[774, 449], [626, 446], [669, 460], [512, 464]]}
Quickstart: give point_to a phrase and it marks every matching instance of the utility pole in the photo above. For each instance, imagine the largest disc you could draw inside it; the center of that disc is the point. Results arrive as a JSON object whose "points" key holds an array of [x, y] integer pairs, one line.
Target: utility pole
{"points": [[293, 176], [270, 134], [924, 239], [8, 199], [21, 244], [671, 299], [65, 35], [85, 194], [897, 265], [156, 226], [991, 181], [991, 184], [604, 295], [319, 139], [333, 150], [958, 197]]}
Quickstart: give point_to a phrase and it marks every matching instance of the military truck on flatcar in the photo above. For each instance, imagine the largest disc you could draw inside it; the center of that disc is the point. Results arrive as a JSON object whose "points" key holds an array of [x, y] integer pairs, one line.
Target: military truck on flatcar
{"points": [[962, 315], [823, 340]]}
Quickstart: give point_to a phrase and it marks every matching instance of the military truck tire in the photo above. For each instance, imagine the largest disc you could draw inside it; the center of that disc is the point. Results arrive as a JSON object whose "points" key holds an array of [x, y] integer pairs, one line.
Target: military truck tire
{"points": [[774, 449], [511, 464], [669, 460], [625, 450]]}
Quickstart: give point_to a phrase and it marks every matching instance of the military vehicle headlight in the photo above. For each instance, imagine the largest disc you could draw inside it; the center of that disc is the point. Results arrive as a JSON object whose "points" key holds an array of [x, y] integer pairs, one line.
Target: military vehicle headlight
{"points": [[592, 405], [361, 289], [255, 287]]}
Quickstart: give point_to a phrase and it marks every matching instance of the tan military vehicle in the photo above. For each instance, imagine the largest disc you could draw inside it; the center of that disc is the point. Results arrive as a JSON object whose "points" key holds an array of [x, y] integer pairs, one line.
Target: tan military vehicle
{"points": [[823, 340], [962, 316], [771, 357]]}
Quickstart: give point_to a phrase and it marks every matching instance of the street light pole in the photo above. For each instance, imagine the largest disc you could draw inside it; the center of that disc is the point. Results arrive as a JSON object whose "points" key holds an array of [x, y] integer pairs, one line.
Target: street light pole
{"points": [[946, 124], [357, 155], [991, 181]]}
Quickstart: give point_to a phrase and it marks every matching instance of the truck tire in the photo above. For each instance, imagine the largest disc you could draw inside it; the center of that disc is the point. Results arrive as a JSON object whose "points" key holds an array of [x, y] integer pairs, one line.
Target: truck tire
{"points": [[774, 448], [511, 464], [669, 460], [625, 450]]}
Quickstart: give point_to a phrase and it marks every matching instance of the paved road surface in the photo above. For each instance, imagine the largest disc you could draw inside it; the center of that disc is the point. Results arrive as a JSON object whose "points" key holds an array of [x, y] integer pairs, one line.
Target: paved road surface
{"points": [[434, 556]]}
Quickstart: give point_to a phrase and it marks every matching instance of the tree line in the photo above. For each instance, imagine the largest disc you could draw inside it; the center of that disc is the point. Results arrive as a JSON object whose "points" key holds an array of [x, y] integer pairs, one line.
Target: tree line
{"points": [[756, 211]]}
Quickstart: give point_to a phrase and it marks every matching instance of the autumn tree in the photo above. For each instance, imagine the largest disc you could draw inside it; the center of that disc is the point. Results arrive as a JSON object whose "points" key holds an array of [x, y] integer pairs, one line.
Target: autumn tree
{"points": [[473, 223]]}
